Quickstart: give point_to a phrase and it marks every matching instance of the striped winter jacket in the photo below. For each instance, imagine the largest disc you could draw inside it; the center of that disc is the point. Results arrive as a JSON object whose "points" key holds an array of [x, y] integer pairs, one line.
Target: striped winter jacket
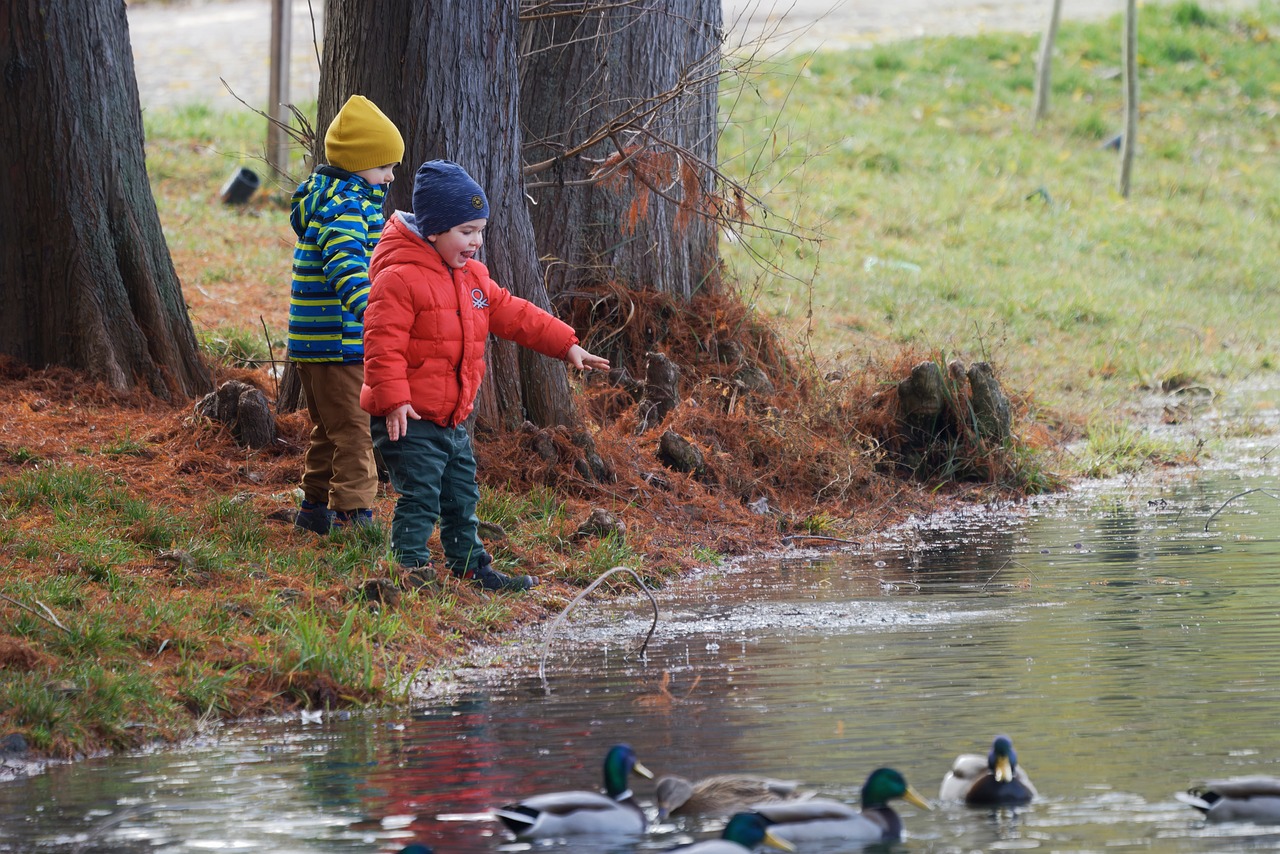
{"points": [[338, 219]]}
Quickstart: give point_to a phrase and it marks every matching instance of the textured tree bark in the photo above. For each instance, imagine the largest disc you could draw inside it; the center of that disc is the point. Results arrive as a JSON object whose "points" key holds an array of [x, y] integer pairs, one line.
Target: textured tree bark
{"points": [[85, 275], [445, 73], [580, 71]]}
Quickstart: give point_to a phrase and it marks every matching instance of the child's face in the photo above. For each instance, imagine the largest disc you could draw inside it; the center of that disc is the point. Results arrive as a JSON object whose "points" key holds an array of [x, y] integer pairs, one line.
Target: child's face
{"points": [[459, 243], [378, 174]]}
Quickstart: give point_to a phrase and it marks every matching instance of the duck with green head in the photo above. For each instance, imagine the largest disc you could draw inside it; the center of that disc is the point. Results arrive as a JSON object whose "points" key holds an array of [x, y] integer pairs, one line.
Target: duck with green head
{"points": [[722, 794], [745, 832], [1255, 799], [583, 813], [819, 819], [996, 780]]}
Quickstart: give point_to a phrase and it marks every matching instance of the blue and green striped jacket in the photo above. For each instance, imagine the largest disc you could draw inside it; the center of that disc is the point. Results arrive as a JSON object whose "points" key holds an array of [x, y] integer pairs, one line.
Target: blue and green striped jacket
{"points": [[338, 219]]}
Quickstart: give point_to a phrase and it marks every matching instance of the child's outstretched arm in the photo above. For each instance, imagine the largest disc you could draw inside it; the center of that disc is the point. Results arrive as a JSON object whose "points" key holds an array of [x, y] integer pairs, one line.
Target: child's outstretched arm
{"points": [[584, 361]]}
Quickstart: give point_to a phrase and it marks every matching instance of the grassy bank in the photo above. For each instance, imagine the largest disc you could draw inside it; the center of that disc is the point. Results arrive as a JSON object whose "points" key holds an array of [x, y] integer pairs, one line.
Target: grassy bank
{"points": [[151, 580], [949, 221]]}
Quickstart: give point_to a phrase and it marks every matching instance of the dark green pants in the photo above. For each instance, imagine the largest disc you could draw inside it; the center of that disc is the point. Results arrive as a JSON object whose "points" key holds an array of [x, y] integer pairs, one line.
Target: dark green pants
{"points": [[434, 471]]}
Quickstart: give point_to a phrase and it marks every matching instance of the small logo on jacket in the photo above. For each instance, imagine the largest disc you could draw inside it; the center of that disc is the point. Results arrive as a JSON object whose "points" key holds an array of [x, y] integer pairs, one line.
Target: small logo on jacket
{"points": [[478, 299]]}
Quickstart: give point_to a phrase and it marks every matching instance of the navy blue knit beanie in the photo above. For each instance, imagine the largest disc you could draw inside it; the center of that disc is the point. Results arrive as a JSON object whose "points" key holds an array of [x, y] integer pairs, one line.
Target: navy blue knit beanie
{"points": [[444, 195]]}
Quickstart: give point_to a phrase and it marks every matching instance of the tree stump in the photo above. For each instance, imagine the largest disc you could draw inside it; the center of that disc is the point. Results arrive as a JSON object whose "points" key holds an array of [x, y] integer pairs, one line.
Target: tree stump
{"points": [[601, 523], [922, 399], [677, 452], [991, 410], [661, 390], [244, 409]]}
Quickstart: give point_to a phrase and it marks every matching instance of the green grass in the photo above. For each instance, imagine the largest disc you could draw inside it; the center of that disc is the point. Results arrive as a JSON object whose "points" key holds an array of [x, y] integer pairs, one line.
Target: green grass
{"points": [[949, 222], [1114, 448], [240, 347]]}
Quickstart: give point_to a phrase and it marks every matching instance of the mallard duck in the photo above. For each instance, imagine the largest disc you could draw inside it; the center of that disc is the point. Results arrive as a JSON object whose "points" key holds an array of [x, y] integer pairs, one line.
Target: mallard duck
{"points": [[722, 795], [744, 832], [993, 780], [554, 814], [1254, 799], [821, 819]]}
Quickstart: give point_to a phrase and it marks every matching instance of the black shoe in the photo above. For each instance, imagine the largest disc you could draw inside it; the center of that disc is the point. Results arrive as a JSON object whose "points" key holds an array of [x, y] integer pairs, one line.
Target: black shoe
{"points": [[487, 578], [315, 518]]}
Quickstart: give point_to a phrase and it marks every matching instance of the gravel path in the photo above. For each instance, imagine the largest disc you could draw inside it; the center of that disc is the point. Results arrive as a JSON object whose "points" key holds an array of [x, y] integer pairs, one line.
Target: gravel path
{"points": [[182, 49]]}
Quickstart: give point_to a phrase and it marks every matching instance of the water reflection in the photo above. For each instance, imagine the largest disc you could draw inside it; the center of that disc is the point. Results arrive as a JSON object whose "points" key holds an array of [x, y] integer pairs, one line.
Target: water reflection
{"points": [[1128, 651]]}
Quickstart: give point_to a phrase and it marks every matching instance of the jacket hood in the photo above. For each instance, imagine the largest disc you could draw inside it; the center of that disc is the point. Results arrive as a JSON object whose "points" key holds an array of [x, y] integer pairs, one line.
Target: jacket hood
{"points": [[401, 243], [325, 183]]}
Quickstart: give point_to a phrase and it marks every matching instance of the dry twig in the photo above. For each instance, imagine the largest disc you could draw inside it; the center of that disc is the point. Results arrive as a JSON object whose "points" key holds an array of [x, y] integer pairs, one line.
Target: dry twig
{"points": [[48, 616]]}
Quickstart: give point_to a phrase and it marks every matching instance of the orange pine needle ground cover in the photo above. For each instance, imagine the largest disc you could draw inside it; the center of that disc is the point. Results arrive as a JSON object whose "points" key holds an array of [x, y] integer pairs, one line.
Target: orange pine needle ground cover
{"points": [[219, 636]]}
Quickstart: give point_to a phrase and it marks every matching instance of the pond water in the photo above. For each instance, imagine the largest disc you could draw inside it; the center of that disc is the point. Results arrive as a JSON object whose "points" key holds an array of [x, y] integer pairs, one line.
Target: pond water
{"points": [[1123, 635]]}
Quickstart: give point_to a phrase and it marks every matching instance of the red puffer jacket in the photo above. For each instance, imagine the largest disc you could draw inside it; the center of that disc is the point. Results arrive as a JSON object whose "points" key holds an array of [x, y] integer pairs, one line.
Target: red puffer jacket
{"points": [[426, 325]]}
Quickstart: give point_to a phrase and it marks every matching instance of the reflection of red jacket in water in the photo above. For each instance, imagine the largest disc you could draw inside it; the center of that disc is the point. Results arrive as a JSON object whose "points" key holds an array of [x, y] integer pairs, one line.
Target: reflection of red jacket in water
{"points": [[447, 765], [426, 325]]}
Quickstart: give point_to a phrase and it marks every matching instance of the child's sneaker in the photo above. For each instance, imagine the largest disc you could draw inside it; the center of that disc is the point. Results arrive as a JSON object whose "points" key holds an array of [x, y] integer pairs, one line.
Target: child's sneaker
{"points": [[315, 518], [362, 518], [487, 578]]}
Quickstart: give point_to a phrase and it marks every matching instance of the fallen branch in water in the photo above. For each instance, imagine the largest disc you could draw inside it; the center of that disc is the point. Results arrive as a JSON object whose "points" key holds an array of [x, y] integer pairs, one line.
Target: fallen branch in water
{"points": [[551, 631], [47, 616], [1233, 498]]}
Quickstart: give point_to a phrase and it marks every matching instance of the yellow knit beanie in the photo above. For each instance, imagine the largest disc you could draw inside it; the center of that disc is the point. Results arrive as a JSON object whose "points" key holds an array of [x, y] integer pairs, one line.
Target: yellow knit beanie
{"points": [[362, 137]]}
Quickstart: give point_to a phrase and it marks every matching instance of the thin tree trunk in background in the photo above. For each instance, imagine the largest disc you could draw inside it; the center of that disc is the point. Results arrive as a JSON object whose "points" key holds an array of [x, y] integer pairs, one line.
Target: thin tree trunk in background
{"points": [[578, 72], [1130, 142], [445, 73], [1044, 64], [85, 275]]}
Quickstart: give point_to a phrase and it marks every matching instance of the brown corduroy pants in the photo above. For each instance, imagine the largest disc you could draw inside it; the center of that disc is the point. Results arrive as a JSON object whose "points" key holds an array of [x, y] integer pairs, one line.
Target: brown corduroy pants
{"points": [[339, 469]]}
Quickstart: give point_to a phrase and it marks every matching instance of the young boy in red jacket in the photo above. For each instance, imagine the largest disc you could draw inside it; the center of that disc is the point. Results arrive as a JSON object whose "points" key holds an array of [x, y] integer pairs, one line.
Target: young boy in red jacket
{"points": [[431, 307]]}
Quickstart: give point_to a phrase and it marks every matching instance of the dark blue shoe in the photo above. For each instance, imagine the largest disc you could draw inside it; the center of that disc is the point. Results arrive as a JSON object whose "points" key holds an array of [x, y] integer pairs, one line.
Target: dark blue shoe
{"points": [[484, 576], [346, 519], [315, 518]]}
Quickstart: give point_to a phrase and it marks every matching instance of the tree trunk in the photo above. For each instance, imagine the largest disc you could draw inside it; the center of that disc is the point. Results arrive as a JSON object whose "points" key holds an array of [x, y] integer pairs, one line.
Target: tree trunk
{"points": [[1044, 64], [85, 275], [579, 72], [445, 73], [1129, 144]]}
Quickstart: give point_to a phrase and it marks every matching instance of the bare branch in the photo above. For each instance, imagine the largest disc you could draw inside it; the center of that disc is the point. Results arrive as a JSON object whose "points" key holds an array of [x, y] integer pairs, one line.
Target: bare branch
{"points": [[48, 616], [551, 631], [1215, 513]]}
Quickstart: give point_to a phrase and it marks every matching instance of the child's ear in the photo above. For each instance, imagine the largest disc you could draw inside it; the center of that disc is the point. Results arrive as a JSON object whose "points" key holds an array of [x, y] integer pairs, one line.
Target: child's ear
{"points": [[431, 238]]}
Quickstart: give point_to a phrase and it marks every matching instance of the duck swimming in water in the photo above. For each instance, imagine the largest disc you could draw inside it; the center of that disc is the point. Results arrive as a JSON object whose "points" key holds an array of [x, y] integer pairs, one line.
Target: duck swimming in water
{"points": [[744, 832], [993, 780], [722, 794], [1255, 799], [819, 819], [583, 813]]}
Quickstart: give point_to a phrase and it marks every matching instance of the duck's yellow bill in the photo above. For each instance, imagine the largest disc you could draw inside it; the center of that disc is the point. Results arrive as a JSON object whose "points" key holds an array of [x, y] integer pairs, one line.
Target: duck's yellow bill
{"points": [[913, 797], [642, 771], [777, 842]]}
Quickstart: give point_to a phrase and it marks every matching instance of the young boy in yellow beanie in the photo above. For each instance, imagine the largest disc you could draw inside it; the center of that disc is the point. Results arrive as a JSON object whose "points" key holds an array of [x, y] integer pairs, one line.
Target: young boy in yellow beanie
{"points": [[337, 215]]}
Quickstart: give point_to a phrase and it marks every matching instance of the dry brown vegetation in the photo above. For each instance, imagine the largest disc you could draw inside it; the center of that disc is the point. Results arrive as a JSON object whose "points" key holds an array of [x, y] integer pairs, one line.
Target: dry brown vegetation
{"points": [[813, 450]]}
